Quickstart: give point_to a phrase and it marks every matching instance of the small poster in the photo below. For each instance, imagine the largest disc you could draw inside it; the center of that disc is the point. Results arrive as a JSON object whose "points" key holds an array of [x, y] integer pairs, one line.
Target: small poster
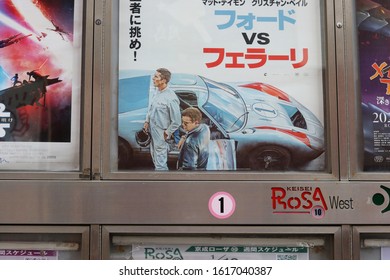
{"points": [[220, 252], [40, 83], [19, 254]]}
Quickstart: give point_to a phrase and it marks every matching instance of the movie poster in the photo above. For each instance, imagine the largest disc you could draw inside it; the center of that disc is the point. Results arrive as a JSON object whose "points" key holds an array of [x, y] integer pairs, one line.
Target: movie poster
{"points": [[254, 69], [217, 252], [28, 254], [40, 83], [374, 65]]}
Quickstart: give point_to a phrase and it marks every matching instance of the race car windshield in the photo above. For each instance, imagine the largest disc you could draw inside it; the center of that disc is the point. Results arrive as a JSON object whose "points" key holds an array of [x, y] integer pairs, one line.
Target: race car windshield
{"points": [[225, 106]]}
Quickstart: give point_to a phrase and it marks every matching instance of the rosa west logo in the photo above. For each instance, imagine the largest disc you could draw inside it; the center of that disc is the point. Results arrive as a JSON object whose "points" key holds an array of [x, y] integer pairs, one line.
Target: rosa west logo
{"points": [[379, 199], [163, 253], [298, 200], [306, 200]]}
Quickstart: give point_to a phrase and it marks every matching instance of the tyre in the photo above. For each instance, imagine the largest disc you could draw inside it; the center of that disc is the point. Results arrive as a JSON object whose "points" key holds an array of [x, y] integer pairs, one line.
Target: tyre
{"points": [[270, 158], [125, 154]]}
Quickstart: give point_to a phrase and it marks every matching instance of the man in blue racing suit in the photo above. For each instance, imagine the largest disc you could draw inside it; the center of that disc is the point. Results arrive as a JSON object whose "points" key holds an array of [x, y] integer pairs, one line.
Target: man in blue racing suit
{"points": [[194, 146]]}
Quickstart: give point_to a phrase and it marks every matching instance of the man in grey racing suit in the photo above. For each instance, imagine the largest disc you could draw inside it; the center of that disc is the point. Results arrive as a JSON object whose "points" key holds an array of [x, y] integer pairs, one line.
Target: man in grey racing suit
{"points": [[162, 119]]}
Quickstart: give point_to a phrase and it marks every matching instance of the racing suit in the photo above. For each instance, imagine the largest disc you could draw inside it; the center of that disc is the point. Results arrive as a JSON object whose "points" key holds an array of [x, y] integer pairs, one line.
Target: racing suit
{"points": [[163, 115], [195, 151]]}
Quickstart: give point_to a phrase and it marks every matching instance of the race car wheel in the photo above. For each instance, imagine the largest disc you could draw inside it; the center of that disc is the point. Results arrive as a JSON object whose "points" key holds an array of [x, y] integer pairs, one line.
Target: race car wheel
{"points": [[269, 158], [125, 154]]}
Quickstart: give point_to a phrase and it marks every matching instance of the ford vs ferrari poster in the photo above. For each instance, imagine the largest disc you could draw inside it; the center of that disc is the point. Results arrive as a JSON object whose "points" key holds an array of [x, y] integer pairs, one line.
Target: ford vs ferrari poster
{"points": [[251, 69]]}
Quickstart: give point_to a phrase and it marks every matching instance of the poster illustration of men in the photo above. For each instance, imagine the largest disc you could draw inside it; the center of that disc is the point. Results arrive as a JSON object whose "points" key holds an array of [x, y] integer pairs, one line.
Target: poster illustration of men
{"points": [[248, 66], [39, 84], [374, 66]]}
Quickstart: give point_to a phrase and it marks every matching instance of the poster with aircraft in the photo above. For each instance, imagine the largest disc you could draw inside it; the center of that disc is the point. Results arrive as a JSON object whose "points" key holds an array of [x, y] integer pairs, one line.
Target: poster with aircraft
{"points": [[40, 81]]}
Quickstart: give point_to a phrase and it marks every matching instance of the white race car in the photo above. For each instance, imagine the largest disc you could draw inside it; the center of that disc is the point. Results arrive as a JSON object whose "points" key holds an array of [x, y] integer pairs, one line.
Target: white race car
{"points": [[272, 131]]}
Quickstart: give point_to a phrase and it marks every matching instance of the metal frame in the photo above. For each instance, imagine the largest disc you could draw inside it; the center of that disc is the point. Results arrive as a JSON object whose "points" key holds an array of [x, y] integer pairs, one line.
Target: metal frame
{"points": [[352, 88], [85, 107], [95, 242], [106, 77], [359, 230], [99, 44], [342, 27], [346, 234]]}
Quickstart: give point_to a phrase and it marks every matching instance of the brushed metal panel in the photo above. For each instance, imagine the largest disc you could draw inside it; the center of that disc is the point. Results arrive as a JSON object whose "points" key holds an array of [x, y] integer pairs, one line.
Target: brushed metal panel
{"points": [[175, 203]]}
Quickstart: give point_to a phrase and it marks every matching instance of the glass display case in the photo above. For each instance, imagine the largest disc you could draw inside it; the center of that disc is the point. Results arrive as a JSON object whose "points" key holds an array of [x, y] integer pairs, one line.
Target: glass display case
{"points": [[367, 84], [371, 242], [268, 100], [219, 243], [44, 242]]}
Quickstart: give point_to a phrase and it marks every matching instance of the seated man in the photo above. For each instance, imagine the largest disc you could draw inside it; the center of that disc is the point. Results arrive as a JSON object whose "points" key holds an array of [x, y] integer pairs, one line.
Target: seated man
{"points": [[194, 145]]}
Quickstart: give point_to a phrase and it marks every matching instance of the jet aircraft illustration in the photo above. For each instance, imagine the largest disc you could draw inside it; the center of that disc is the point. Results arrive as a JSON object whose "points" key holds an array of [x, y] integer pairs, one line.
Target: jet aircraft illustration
{"points": [[12, 40], [59, 30]]}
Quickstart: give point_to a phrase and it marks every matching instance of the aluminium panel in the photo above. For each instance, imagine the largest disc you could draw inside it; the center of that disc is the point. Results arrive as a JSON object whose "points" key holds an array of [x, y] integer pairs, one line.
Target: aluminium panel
{"points": [[195, 203]]}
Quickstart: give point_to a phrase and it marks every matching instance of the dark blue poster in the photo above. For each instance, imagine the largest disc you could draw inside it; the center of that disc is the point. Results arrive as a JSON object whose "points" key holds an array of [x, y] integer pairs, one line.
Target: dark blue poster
{"points": [[374, 58]]}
